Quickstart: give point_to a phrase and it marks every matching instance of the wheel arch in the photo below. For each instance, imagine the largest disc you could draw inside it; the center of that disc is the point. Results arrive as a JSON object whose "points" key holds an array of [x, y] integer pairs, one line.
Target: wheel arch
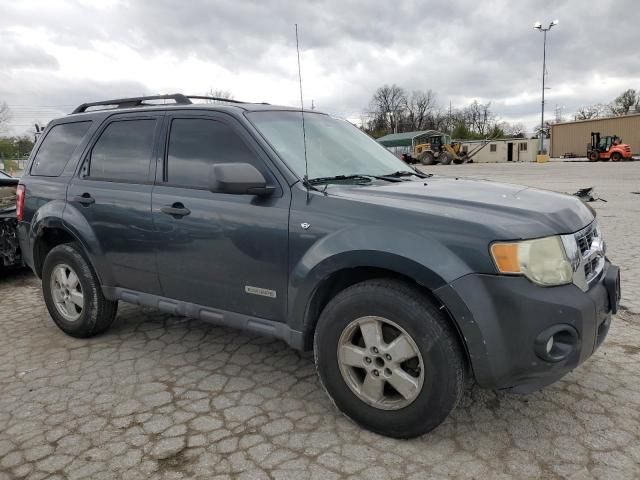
{"points": [[340, 279], [49, 231]]}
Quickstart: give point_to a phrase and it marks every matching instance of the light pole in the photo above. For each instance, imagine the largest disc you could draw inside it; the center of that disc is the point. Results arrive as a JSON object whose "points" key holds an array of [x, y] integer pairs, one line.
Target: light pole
{"points": [[538, 26]]}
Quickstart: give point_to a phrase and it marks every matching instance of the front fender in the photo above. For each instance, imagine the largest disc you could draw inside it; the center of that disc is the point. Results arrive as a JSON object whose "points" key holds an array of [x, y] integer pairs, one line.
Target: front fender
{"points": [[425, 260]]}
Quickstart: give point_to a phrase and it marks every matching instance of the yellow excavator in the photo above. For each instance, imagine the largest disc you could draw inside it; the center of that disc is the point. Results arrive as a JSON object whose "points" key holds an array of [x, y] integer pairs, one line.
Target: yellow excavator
{"points": [[440, 149]]}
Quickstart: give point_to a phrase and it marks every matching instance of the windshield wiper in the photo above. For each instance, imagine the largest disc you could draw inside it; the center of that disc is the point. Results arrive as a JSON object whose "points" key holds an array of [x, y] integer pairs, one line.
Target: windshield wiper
{"points": [[339, 178], [407, 173]]}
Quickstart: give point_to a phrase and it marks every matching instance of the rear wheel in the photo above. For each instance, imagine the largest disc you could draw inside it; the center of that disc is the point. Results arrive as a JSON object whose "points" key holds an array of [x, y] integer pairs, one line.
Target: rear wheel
{"points": [[73, 295], [445, 158], [388, 358], [616, 157]]}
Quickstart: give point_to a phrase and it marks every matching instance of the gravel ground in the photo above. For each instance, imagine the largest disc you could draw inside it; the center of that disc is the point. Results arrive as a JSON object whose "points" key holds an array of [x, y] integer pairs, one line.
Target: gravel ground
{"points": [[162, 397]]}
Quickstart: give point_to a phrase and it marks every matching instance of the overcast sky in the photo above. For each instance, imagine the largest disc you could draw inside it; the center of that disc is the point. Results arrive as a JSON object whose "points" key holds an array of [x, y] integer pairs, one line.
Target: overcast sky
{"points": [[57, 54]]}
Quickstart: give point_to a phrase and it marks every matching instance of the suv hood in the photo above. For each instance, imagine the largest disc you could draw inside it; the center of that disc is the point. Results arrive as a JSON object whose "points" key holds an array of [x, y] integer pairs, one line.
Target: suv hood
{"points": [[510, 211]]}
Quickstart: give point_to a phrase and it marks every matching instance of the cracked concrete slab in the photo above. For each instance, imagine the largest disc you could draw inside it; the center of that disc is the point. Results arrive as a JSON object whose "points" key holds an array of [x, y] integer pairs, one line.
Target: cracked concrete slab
{"points": [[169, 398]]}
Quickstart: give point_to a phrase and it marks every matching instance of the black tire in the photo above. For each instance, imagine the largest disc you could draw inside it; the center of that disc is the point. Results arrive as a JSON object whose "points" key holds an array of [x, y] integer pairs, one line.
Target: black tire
{"points": [[594, 156], [425, 324], [616, 157], [427, 158], [97, 313], [445, 158]]}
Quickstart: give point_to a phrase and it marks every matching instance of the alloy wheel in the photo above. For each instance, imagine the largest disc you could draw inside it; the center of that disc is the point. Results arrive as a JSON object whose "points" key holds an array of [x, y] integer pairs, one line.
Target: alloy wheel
{"points": [[66, 291], [380, 363]]}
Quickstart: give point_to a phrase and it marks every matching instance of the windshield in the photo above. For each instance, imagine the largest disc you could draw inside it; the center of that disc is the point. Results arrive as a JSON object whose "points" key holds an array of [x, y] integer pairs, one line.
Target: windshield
{"points": [[334, 147]]}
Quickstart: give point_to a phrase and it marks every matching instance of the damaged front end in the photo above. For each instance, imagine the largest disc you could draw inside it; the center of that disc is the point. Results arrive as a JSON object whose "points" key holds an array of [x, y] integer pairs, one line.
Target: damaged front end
{"points": [[9, 246]]}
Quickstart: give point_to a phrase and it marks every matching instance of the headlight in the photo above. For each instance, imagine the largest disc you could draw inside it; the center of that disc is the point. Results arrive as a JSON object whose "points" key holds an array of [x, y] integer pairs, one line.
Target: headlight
{"points": [[546, 261]]}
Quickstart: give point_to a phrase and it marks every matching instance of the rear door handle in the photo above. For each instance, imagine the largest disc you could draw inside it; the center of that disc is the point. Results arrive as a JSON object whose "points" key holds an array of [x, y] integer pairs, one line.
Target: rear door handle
{"points": [[84, 199], [176, 210]]}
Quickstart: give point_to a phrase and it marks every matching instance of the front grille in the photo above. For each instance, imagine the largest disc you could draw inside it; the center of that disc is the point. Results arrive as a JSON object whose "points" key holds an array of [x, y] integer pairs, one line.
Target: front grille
{"points": [[585, 238], [591, 249], [591, 267]]}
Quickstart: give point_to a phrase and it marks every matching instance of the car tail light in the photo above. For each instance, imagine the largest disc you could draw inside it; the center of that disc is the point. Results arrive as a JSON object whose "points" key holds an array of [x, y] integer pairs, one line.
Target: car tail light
{"points": [[20, 202]]}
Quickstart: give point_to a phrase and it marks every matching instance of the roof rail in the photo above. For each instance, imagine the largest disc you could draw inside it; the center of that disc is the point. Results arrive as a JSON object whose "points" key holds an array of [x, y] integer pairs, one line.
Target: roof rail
{"points": [[219, 99], [178, 98], [133, 102]]}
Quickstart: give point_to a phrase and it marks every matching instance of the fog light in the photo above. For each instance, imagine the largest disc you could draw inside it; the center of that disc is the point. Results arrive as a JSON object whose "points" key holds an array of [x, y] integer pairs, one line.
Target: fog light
{"points": [[556, 343], [550, 344]]}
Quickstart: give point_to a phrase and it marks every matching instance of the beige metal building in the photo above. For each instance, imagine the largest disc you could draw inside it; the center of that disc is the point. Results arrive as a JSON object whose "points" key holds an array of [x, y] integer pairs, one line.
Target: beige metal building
{"points": [[573, 137], [503, 150]]}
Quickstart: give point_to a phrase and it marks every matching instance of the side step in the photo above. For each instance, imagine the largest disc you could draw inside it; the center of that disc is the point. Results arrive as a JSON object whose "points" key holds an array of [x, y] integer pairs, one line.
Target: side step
{"points": [[260, 326]]}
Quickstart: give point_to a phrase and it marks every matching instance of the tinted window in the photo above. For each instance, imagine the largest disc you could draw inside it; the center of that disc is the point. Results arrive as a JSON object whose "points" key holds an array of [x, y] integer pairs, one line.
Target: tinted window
{"points": [[195, 144], [123, 151], [58, 147]]}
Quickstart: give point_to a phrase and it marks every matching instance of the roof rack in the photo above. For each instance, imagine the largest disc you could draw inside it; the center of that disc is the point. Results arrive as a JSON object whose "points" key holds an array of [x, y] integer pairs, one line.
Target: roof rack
{"points": [[178, 98], [219, 99]]}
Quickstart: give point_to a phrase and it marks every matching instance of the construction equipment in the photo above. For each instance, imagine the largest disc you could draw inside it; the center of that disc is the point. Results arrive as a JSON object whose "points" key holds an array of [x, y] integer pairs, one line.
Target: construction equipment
{"points": [[440, 149], [609, 147]]}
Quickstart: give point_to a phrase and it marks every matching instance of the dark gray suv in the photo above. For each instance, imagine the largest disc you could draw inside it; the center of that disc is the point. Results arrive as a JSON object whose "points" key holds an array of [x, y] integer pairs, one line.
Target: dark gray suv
{"points": [[403, 284]]}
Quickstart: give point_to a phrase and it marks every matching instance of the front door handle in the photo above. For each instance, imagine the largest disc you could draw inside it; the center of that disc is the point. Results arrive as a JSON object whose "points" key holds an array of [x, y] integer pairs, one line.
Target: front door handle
{"points": [[84, 199], [176, 210]]}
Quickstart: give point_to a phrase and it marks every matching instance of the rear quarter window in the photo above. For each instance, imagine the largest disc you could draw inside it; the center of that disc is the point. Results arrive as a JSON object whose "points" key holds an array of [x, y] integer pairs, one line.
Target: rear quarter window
{"points": [[57, 148]]}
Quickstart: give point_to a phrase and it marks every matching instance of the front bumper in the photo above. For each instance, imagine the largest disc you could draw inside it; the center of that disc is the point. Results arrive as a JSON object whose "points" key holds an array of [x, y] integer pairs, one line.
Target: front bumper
{"points": [[506, 321]]}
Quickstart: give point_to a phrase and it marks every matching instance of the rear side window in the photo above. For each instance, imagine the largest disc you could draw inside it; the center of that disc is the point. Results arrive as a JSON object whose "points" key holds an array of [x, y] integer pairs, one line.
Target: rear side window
{"points": [[123, 151], [58, 147], [196, 143]]}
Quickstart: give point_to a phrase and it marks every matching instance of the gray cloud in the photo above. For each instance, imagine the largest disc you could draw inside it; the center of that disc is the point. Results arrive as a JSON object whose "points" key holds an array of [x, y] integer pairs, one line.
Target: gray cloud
{"points": [[460, 49], [18, 55]]}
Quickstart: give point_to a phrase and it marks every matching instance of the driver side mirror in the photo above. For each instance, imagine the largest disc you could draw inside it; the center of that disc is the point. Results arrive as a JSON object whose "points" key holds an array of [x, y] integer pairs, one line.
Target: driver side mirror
{"points": [[238, 179]]}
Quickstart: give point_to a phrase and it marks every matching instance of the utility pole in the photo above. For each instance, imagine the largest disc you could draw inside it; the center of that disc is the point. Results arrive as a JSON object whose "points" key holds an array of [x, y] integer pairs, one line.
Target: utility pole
{"points": [[538, 26]]}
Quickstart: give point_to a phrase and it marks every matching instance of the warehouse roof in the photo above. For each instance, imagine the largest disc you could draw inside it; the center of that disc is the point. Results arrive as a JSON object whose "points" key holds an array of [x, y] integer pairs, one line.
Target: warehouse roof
{"points": [[404, 139], [597, 119]]}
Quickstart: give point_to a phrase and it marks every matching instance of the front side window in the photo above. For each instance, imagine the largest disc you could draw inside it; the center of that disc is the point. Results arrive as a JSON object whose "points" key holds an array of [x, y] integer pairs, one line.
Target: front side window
{"points": [[493, 147], [58, 147], [123, 151], [334, 147], [197, 143]]}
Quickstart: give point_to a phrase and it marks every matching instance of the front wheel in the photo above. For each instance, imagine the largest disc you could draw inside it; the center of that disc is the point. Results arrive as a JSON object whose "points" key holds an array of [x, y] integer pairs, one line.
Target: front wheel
{"points": [[389, 358], [73, 295], [427, 158]]}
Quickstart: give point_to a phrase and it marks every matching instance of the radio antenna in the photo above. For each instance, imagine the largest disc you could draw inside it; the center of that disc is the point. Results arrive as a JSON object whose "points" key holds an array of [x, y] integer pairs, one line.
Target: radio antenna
{"points": [[304, 132]]}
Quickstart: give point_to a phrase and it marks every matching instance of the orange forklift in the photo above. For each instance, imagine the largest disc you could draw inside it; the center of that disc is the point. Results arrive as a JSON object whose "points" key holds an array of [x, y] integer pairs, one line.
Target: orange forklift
{"points": [[607, 148]]}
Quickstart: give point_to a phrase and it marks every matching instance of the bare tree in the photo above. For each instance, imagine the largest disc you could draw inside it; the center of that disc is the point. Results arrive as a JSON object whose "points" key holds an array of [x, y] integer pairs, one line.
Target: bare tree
{"points": [[546, 130], [478, 117], [625, 102], [388, 104], [513, 130], [5, 116], [587, 112], [219, 93], [420, 108]]}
